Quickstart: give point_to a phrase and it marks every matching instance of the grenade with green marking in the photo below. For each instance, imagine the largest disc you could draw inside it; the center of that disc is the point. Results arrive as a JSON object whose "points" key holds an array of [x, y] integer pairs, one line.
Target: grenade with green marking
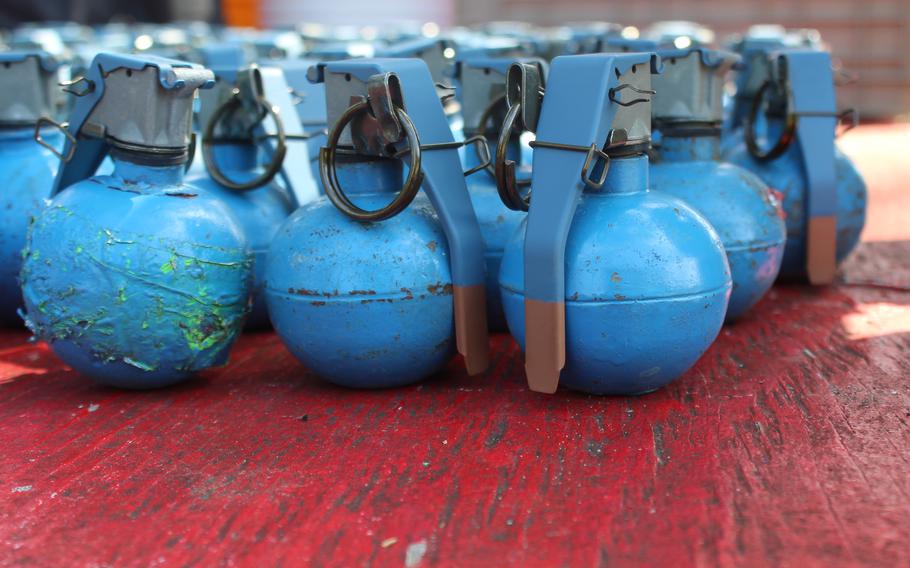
{"points": [[135, 279]]}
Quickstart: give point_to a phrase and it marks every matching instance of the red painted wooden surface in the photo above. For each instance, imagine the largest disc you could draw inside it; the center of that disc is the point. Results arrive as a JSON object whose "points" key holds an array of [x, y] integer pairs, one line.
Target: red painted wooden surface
{"points": [[787, 445]]}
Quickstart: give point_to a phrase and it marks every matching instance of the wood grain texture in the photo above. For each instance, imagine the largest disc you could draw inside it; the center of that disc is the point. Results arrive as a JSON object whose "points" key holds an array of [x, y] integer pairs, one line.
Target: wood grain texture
{"points": [[786, 445]]}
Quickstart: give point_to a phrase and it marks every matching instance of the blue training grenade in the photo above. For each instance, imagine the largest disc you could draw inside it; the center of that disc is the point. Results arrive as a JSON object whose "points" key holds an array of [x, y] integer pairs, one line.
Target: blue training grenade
{"points": [[366, 287], [28, 100], [686, 164], [824, 195], [482, 89], [135, 278], [247, 116], [608, 287]]}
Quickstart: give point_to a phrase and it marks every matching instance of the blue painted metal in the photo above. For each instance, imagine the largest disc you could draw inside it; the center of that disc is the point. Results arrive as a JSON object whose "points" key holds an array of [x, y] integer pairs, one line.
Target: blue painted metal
{"points": [[259, 212], [27, 81], [687, 165], [821, 187], [616, 290], [262, 210], [296, 173], [29, 172], [786, 176], [746, 215], [309, 100], [481, 83], [216, 56], [136, 279], [370, 304]]}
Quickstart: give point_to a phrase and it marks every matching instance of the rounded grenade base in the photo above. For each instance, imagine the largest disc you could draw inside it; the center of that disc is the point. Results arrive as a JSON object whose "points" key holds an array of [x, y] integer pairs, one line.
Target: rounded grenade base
{"points": [[136, 286], [785, 175], [747, 217], [364, 305], [497, 225], [647, 285]]}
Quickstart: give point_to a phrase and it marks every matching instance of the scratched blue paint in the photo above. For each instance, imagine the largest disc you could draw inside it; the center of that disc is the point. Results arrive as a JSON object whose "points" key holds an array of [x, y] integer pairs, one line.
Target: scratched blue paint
{"points": [[137, 279], [260, 212], [739, 206], [786, 175], [365, 305], [647, 286], [28, 173]]}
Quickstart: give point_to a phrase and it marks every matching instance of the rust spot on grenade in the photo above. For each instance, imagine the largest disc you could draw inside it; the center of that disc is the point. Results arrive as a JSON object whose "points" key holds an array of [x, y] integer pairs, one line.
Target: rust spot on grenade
{"points": [[439, 289], [779, 198], [306, 292]]}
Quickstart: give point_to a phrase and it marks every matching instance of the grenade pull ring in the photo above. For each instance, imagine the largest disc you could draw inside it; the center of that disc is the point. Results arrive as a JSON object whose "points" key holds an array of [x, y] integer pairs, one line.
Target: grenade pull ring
{"points": [[228, 108], [524, 96], [482, 150], [254, 107], [397, 120], [787, 134], [484, 102], [329, 174]]}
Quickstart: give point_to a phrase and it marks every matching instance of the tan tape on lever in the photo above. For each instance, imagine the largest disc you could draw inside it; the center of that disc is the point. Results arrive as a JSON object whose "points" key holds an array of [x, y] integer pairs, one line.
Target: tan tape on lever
{"points": [[471, 335], [545, 344], [821, 250]]}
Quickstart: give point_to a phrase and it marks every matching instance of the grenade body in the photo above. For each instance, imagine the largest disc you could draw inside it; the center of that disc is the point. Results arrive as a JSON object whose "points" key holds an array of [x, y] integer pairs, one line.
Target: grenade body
{"points": [[137, 279], [647, 286], [497, 225], [28, 169], [785, 174], [745, 214], [365, 305], [259, 211]]}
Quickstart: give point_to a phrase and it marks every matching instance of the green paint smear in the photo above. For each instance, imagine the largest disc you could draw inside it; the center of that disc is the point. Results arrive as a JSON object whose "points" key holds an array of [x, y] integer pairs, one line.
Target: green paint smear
{"points": [[138, 364], [205, 324]]}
